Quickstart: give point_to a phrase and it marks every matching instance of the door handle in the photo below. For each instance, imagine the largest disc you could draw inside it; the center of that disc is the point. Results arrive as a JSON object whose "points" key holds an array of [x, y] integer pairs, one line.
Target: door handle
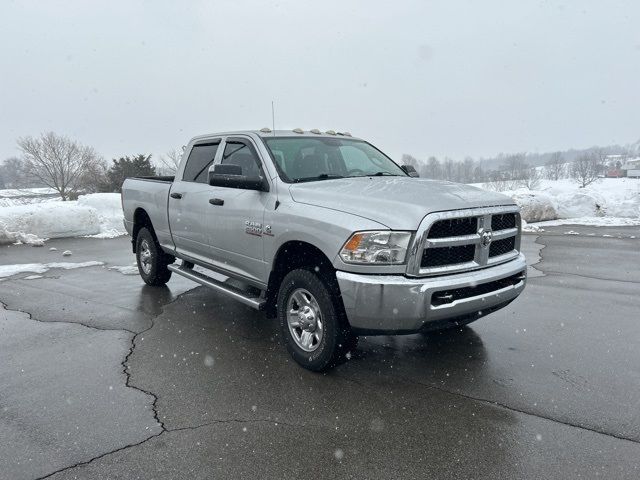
{"points": [[176, 195], [216, 201]]}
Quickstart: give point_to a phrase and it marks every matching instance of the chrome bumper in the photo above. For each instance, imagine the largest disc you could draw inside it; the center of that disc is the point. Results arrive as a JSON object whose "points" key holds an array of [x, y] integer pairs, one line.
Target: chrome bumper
{"points": [[397, 304]]}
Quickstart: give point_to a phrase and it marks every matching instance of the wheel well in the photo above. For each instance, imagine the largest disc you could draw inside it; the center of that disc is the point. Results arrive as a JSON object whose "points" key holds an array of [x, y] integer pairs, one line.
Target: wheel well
{"points": [[140, 220], [292, 255]]}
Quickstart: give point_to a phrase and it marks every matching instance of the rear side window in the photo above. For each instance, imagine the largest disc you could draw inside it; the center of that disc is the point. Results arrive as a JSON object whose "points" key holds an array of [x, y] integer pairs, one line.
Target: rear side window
{"points": [[198, 163]]}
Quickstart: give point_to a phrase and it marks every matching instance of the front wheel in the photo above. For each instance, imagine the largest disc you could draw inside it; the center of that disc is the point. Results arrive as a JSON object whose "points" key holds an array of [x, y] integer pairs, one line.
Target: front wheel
{"points": [[315, 330], [152, 261]]}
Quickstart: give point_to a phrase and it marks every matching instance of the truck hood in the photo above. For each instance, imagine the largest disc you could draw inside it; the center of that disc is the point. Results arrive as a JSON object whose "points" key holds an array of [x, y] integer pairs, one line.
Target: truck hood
{"points": [[400, 203]]}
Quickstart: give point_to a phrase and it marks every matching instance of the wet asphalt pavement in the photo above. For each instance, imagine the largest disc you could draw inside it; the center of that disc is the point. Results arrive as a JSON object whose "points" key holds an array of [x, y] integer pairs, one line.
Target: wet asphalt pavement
{"points": [[103, 377]]}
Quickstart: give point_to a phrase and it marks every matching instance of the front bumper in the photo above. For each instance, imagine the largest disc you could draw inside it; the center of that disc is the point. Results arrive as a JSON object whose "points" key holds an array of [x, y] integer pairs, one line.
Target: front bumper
{"points": [[397, 304]]}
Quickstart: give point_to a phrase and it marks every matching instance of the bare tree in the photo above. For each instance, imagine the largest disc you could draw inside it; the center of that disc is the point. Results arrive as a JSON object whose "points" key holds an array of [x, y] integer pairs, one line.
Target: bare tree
{"points": [[433, 169], [12, 174], [515, 168], [531, 178], [497, 181], [448, 169], [586, 168], [58, 162], [94, 179], [466, 170], [171, 160], [554, 169]]}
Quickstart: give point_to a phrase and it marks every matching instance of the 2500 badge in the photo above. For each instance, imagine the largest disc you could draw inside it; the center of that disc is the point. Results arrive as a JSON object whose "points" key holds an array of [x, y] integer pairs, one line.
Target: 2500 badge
{"points": [[255, 228]]}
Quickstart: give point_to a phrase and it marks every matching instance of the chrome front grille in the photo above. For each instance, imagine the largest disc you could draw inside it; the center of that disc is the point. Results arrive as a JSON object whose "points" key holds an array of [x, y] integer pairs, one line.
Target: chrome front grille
{"points": [[461, 240]]}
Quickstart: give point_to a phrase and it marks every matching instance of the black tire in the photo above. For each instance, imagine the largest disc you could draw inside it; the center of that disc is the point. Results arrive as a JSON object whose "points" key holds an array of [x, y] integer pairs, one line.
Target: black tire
{"points": [[153, 268], [337, 338]]}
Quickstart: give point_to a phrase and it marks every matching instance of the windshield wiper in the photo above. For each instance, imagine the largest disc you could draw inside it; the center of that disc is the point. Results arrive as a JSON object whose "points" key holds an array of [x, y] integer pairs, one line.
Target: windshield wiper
{"points": [[322, 176], [378, 174]]}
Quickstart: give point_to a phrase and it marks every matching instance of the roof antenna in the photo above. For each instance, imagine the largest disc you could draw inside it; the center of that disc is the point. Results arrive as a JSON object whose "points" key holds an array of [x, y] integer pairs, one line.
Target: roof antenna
{"points": [[273, 119]]}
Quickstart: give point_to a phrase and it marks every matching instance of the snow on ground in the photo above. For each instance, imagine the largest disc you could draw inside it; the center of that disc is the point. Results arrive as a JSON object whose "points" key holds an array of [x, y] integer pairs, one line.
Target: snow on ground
{"points": [[9, 270], [126, 269], [47, 220], [97, 214], [22, 196], [607, 202], [592, 221]]}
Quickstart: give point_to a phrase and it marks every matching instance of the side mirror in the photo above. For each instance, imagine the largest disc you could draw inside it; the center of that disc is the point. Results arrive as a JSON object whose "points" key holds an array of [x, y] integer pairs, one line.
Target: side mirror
{"points": [[230, 176], [410, 170]]}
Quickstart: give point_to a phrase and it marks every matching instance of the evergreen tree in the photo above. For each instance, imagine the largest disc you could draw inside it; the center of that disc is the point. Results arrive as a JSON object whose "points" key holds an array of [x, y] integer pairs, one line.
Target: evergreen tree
{"points": [[124, 167]]}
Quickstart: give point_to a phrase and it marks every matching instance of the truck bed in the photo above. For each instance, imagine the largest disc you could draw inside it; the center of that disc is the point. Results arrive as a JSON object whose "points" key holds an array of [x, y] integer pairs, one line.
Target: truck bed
{"points": [[150, 194]]}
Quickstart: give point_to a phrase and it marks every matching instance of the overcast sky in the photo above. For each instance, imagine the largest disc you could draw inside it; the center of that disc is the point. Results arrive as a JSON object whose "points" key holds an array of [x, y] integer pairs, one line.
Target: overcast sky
{"points": [[446, 78]]}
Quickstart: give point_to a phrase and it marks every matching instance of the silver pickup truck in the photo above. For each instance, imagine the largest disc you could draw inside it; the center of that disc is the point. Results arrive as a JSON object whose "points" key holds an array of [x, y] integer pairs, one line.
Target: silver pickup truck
{"points": [[329, 235]]}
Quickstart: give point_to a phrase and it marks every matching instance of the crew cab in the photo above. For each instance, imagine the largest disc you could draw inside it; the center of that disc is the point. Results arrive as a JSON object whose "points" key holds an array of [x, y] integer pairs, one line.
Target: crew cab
{"points": [[329, 235]]}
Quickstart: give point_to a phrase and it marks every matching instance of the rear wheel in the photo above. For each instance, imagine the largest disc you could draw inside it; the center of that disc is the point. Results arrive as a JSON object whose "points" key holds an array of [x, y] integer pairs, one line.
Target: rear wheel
{"points": [[312, 322], [152, 261]]}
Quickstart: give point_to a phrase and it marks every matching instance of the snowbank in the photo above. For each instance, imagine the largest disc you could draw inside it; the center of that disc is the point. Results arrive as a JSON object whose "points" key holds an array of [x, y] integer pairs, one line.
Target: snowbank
{"points": [[47, 220], [98, 214], [534, 206], [609, 201], [109, 207]]}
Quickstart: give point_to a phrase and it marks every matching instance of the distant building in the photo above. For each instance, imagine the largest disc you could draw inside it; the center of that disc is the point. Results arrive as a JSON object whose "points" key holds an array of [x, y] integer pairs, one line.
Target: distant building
{"points": [[631, 167]]}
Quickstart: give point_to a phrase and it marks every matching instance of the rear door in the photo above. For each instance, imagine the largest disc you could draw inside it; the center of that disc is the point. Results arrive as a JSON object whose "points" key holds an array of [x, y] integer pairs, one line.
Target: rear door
{"points": [[189, 202], [237, 216]]}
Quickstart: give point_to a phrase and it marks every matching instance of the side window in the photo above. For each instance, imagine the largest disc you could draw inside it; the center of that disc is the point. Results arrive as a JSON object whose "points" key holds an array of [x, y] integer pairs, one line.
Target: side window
{"points": [[355, 159], [198, 163], [243, 155]]}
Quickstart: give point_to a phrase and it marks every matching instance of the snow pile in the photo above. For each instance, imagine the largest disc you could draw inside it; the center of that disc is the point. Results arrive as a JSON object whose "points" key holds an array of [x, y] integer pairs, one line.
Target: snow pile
{"points": [[97, 214], [109, 207], [534, 206], [528, 227], [576, 204], [7, 236], [47, 220], [610, 201], [9, 270]]}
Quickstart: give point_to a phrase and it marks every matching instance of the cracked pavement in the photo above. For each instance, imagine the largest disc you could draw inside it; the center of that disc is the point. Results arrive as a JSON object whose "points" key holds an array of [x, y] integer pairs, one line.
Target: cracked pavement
{"points": [[107, 378]]}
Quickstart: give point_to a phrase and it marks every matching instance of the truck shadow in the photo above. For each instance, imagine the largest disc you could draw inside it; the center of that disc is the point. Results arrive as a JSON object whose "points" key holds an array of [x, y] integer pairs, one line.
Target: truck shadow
{"points": [[436, 356]]}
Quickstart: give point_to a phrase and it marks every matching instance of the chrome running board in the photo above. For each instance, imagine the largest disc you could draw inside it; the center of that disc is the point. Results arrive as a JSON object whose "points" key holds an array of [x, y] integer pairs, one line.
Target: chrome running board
{"points": [[253, 301]]}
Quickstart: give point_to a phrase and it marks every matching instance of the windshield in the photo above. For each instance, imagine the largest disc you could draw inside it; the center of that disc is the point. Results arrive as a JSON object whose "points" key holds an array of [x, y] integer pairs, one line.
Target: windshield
{"points": [[307, 159]]}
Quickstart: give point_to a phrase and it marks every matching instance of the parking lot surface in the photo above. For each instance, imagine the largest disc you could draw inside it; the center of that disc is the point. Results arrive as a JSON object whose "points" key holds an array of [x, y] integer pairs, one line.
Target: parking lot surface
{"points": [[104, 377]]}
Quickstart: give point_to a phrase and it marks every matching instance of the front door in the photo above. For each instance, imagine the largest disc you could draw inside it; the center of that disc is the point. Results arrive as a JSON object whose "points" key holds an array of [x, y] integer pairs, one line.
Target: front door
{"points": [[236, 241]]}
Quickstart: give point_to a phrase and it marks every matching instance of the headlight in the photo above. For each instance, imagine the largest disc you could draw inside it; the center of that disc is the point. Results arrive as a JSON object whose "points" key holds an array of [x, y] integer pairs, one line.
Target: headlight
{"points": [[382, 248]]}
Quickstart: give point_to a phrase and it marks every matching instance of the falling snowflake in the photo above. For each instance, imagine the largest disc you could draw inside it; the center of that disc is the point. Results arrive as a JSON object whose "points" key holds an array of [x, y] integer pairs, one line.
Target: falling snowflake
{"points": [[208, 361], [377, 424]]}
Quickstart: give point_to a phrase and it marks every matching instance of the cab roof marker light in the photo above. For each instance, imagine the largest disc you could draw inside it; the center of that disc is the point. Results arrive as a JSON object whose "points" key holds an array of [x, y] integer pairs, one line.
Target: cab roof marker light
{"points": [[298, 130], [346, 134], [330, 132], [265, 130], [316, 131]]}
